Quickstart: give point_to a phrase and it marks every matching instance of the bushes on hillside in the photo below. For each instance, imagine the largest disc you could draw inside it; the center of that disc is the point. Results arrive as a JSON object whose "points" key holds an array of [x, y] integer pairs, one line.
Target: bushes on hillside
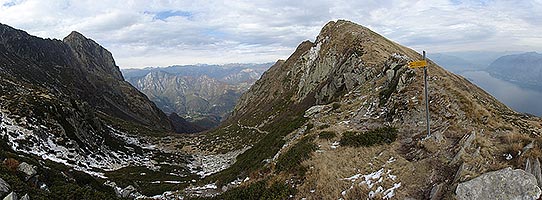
{"points": [[290, 161], [327, 135], [373, 137]]}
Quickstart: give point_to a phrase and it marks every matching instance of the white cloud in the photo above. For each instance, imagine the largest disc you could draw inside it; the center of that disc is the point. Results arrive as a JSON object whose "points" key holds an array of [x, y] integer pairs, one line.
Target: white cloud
{"points": [[151, 33]]}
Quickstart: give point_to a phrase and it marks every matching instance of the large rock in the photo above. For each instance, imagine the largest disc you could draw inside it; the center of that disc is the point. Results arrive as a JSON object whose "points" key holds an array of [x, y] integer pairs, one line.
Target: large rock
{"points": [[25, 197], [533, 167], [4, 187], [129, 191], [28, 169], [11, 196], [502, 184]]}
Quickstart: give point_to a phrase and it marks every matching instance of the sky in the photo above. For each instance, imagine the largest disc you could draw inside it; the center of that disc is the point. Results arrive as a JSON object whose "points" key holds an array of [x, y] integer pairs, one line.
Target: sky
{"points": [[143, 33]]}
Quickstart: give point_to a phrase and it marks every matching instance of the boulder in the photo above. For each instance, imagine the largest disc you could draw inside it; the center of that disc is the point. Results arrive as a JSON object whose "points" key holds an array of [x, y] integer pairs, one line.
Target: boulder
{"points": [[25, 197], [312, 111], [28, 169], [11, 196], [127, 192], [4, 187], [502, 184], [533, 167], [436, 192]]}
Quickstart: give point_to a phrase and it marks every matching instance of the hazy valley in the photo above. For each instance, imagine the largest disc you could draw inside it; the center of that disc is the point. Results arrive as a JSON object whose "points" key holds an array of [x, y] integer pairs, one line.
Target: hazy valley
{"points": [[202, 94], [512, 77]]}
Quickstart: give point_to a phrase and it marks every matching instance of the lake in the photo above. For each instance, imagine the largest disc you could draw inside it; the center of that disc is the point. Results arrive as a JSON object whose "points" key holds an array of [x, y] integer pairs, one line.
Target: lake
{"points": [[518, 98]]}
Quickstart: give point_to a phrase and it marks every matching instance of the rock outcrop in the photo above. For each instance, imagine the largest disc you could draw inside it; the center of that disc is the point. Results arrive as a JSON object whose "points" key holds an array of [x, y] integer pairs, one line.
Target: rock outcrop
{"points": [[502, 184], [28, 169], [4, 187], [532, 166]]}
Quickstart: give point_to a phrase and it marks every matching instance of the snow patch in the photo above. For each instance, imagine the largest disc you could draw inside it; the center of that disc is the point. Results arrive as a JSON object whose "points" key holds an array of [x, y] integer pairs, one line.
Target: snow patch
{"points": [[400, 56], [334, 145], [26, 137], [205, 165], [375, 182]]}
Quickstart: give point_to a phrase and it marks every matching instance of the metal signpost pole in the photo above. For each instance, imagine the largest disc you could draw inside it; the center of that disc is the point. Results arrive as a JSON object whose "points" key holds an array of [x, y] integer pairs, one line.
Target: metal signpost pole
{"points": [[426, 98]]}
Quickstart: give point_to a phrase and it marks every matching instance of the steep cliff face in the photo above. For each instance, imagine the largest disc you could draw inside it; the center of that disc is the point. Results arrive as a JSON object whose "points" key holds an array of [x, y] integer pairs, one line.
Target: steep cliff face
{"points": [[65, 108], [350, 98], [59, 101], [81, 68]]}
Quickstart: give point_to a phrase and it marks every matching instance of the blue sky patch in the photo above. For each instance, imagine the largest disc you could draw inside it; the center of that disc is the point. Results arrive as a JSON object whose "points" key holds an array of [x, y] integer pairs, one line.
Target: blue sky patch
{"points": [[163, 15], [10, 3]]}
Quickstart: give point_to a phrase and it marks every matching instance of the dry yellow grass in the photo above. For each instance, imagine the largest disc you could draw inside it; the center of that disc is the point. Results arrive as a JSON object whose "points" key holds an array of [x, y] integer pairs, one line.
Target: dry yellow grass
{"points": [[328, 170]]}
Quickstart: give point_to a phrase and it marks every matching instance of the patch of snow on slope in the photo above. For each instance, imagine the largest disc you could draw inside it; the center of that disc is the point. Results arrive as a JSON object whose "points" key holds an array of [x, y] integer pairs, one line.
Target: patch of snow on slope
{"points": [[205, 165], [375, 182], [24, 136]]}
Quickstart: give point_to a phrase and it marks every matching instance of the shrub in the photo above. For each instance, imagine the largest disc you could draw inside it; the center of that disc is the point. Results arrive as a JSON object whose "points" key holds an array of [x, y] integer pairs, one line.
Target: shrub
{"points": [[310, 126], [373, 137], [258, 190], [290, 161], [335, 106], [323, 126], [11, 164], [327, 135]]}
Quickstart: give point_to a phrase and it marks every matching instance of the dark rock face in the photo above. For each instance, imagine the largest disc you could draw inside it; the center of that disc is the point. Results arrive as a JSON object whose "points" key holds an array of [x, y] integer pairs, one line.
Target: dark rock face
{"points": [[80, 68], [67, 101], [98, 60], [4, 187]]}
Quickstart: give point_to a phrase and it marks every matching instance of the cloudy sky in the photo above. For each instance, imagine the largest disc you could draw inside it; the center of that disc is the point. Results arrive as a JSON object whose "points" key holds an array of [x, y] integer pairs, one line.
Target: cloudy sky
{"points": [[143, 33]]}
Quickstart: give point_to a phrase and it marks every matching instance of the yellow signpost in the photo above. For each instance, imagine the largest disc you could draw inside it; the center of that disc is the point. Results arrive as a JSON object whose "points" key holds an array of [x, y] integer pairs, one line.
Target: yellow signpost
{"points": [[417, 64]]}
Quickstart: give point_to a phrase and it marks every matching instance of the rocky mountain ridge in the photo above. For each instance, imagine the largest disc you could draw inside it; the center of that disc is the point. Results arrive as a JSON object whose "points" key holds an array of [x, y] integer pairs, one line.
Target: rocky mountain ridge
{"points": [[342, 117], [57, 65], [66, 111], [338, 101]]}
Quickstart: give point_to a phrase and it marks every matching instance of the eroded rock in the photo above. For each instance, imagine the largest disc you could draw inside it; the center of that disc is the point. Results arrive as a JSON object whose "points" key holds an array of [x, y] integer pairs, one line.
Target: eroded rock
{"points": [[533, 167], [28, 169], [11, 196], [4, 187]]}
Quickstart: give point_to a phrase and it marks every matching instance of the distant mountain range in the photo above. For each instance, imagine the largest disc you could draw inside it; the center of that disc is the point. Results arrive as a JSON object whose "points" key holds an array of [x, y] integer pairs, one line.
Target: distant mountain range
{"points": [[458, 62], [524, 69], [203, 94], [513, 77]]}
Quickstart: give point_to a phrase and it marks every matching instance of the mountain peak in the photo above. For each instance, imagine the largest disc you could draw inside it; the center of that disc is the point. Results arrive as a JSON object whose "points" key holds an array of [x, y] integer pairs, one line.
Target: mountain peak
{"points": [[75, 35], [98, 59]]}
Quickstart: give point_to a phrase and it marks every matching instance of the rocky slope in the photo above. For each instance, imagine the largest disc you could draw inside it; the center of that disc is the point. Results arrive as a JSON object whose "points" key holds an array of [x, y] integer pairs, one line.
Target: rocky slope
{"points": [[351, 112], [65, 109], [80, 68], [204, 94], [524, 69]]}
